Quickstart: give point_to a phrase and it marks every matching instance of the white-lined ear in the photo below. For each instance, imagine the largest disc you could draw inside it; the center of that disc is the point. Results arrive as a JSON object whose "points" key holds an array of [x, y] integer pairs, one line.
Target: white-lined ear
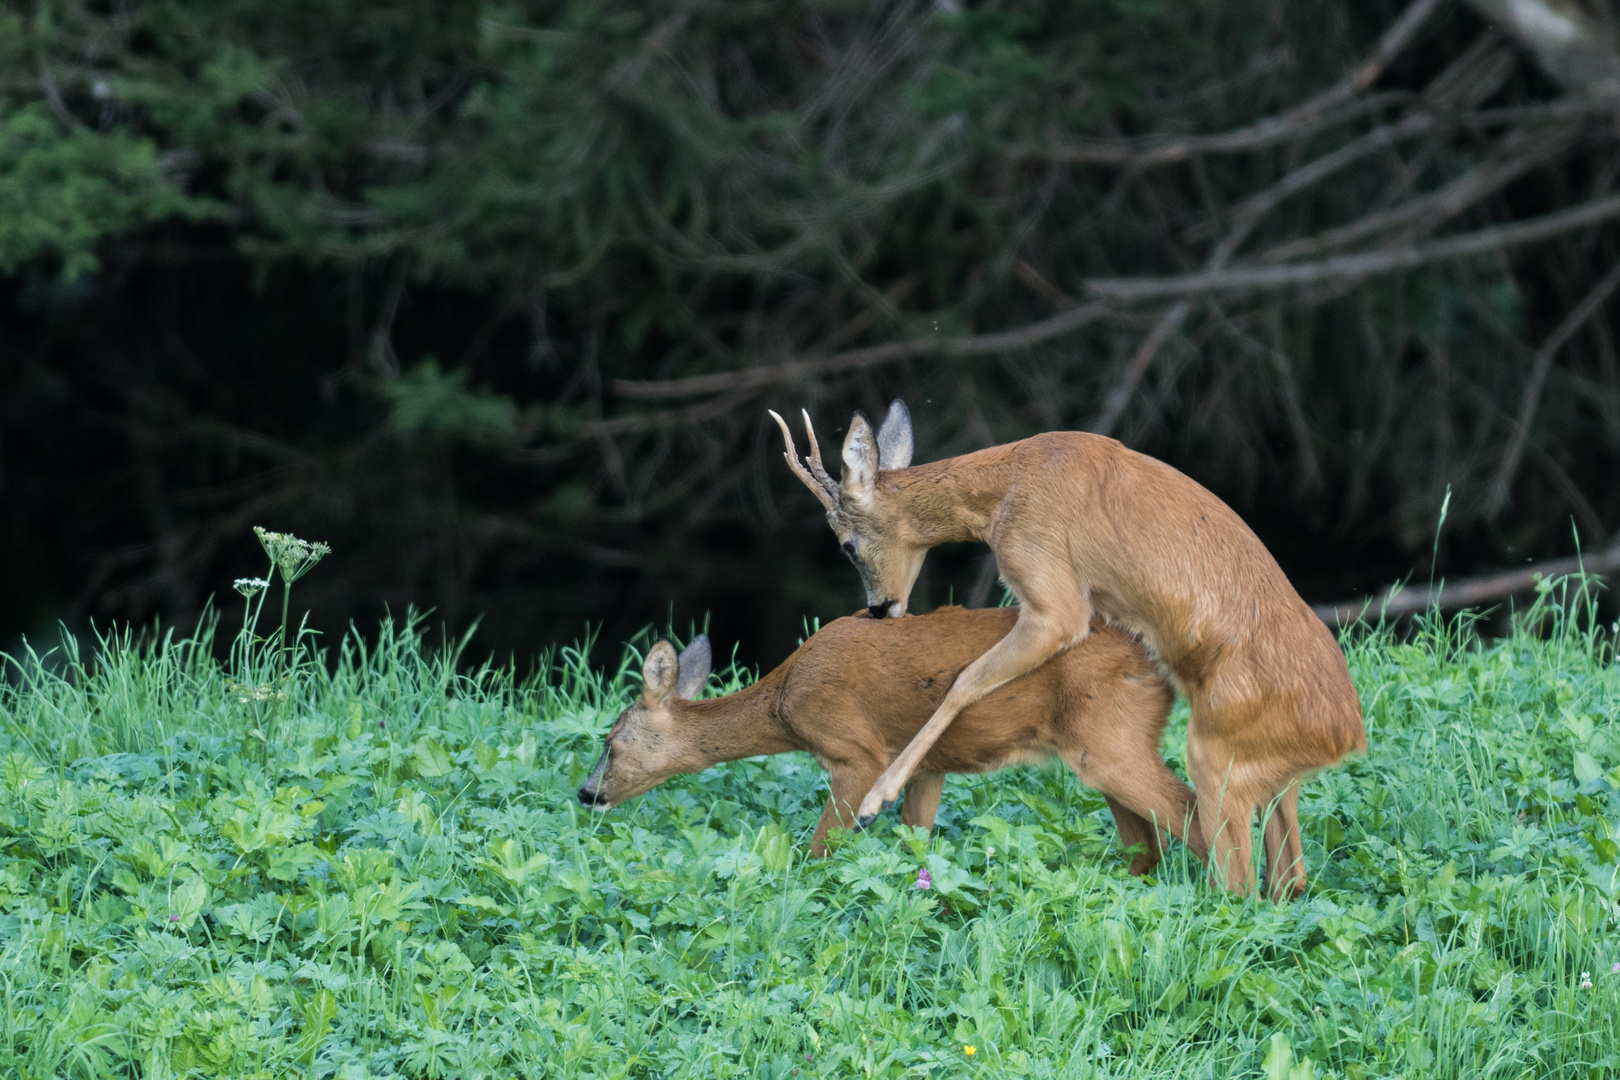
{"points": [[860, 459], [660, 673], [695, 662], [894, 438]]}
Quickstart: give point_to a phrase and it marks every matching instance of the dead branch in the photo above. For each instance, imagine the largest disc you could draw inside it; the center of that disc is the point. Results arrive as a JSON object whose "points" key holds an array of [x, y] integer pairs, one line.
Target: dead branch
{"points": [[1465, 592], [1037, 281], [1116, 400], [1468, 81], [1321, 111], [1340, 269], [1534, 150], [1353, 267], [53, 97], [855, 359], [1148, 151], [1538, 377], [1572, 49]]}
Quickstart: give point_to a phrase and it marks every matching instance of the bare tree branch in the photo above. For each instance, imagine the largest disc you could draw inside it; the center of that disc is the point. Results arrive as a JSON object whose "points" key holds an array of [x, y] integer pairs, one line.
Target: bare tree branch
{"points": [[1472, 78], [1571, 48], [1319, 111], [1353, 267], [1120, 396], [855, 359], [1345, 268], [1535, 149], [1465, 592], [53, 97], [1151, 150], [1037, 281], [1538, 377]]}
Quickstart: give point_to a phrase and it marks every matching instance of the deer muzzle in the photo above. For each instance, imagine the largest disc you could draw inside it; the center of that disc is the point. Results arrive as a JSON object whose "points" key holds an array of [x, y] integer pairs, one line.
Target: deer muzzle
{"points": [[590, 793]]}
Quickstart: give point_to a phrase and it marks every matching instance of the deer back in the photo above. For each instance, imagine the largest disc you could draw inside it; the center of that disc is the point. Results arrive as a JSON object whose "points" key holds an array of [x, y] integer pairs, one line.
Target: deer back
{"points": [[862, 687]]}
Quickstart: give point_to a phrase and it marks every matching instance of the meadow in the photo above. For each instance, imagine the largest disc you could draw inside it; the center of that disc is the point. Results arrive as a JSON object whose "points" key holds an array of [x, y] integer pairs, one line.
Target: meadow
{"points": [[367, 861]]}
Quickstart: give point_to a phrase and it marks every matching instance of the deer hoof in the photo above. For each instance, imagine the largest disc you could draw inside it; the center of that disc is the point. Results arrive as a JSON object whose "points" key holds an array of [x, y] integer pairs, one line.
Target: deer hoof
{"points": [[863, 821]]}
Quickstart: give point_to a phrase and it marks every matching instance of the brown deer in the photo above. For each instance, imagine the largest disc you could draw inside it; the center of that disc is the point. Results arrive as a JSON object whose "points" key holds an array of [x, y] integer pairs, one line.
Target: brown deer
{"points": [[858, 690], [1082, 526]]}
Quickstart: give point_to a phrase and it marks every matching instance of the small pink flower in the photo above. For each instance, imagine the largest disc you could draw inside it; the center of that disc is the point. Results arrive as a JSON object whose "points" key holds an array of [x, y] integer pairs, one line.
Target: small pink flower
{"points": [[1616, 969], [925, 880], [807, 1055], [174, 918]]}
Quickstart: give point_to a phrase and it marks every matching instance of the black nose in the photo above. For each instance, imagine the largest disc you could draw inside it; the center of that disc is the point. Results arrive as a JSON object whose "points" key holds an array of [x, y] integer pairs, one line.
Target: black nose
{"points": [[589, 797], [879, 611]]}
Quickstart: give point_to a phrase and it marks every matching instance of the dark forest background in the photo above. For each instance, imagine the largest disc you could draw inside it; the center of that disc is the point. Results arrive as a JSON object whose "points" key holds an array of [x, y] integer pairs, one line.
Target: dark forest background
{"points": [[493, 296]]}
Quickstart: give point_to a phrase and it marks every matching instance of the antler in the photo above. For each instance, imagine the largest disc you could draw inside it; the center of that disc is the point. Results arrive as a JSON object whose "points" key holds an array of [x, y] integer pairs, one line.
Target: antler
{"points": [[821, 485]]}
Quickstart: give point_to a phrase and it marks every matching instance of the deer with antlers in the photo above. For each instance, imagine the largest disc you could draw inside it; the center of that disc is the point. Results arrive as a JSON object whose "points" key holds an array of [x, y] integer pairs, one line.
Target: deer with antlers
{"points": [[1081, 526]]}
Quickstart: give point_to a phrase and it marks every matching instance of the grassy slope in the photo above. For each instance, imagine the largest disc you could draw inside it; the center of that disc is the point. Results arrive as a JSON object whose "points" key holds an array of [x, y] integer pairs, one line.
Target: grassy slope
{"points": [[410, 889]]}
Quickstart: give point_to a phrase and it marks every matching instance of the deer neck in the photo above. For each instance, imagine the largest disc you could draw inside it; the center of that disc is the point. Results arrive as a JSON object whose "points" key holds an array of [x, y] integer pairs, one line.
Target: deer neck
{"points": [[951, 501], [740, 725]]}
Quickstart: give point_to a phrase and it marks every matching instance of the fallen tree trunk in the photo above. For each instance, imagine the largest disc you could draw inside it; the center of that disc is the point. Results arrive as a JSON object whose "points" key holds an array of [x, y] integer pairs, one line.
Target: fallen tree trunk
{"points": [[1466, 592]]}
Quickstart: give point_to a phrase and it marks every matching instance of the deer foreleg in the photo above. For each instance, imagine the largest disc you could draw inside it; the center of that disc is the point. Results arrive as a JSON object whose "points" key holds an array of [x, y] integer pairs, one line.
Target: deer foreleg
{"points": [[849, 780], [1032, 641]]}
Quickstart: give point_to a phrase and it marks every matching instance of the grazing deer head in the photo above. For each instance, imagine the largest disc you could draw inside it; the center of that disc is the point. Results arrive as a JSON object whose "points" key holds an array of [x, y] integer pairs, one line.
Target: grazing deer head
{"points": [[646, 746], [870, 534]]}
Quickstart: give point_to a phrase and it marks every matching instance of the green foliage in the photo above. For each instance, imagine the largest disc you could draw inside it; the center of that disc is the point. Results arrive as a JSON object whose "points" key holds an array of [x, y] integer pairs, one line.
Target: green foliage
{"points": [[454, 252], [63, 192], [425, 400], [407, 887]]}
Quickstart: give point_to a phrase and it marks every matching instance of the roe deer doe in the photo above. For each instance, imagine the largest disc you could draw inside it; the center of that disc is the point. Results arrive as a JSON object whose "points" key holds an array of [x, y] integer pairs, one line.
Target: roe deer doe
{"points": [[1081, 525], [858, 690]]}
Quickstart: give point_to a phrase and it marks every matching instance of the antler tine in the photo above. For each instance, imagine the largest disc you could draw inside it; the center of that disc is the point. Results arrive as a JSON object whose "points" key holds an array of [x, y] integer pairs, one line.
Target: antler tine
{"points": [[814, 457], [829, 499]]}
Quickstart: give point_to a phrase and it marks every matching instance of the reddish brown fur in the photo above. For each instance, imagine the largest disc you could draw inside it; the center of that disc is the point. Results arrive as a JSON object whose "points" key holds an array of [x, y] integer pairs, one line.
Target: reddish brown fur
{"points": [[857, 692], [1081, 526]]}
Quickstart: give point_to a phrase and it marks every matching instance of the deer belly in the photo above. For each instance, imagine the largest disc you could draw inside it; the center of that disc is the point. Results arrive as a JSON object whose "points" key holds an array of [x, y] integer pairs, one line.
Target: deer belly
{"points": [[1001, 730]]}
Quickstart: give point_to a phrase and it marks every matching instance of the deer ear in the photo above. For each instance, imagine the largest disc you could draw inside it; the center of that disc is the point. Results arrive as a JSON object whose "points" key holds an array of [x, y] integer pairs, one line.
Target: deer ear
{"points": [[894, 440], [659, 673], [694, 665], [860, 459]]}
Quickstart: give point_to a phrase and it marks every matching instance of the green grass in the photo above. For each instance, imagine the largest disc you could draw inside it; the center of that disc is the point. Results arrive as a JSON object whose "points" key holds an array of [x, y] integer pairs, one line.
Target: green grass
{"points": [[392, 878]]}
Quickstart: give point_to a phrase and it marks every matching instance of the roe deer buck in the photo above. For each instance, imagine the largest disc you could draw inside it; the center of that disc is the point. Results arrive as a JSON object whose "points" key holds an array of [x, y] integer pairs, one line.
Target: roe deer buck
{"points": [[858, 690], [1081, 525]]}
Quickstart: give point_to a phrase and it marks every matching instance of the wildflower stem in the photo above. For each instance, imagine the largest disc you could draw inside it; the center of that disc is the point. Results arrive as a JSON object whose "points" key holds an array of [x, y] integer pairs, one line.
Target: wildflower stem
{"points": [[286, 598]]}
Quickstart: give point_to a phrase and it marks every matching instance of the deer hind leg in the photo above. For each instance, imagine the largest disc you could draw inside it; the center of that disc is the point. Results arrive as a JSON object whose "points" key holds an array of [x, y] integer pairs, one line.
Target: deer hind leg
{"points": [[1135, 830], [922, 800], [1144, 791], [1285, 853], [849, 782], [1032, 641], [1225, 813]]}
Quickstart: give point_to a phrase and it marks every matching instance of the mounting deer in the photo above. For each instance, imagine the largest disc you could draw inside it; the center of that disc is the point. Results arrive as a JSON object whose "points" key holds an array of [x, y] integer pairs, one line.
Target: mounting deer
{"points": [[1082, 526], [857, 692]]}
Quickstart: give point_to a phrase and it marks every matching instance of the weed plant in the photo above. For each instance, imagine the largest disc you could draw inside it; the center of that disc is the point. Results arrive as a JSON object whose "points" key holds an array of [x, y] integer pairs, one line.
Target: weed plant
{"points": [[394, 879]]}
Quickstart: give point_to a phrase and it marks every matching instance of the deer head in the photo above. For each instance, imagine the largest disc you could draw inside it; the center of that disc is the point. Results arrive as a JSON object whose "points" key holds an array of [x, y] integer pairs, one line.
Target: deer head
{"points": [[646, 745], [870, 529]]}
